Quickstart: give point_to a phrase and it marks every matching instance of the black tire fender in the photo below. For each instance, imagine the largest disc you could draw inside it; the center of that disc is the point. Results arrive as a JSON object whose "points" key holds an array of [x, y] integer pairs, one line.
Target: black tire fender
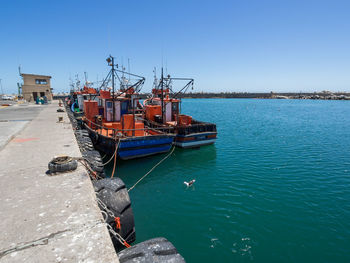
{"points": [[153, 250], [113, 193]]}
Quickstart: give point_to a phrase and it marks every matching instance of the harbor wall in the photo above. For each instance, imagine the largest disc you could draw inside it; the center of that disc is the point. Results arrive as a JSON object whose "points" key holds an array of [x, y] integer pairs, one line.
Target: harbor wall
{"points": [[48, 217]]}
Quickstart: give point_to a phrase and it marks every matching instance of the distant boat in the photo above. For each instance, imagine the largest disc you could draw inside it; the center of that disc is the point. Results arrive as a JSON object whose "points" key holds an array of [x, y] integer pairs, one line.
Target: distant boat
{"points": [[78, 96]]}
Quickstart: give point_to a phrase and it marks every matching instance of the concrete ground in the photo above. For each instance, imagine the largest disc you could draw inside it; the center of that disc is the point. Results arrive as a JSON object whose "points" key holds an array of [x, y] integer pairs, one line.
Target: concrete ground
{"points": [[14, 118], [7, 102], [47, 218]]}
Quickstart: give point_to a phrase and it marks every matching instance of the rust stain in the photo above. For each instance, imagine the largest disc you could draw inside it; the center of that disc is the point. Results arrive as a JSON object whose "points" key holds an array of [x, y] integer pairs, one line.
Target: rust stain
{"points": [[24, 139]]}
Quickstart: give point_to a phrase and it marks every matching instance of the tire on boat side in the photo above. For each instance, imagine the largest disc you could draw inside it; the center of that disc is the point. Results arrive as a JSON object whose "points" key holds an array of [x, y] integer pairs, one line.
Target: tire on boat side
{"points": [[85, 144], [153, 250], [84, 141], [89, 153], [81, 132], [95, 161], [113, 193]]}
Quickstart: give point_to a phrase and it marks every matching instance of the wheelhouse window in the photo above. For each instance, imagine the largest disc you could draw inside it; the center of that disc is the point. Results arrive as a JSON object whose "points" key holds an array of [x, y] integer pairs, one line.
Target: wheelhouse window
{"points": [[175, 107], [41, 81]]}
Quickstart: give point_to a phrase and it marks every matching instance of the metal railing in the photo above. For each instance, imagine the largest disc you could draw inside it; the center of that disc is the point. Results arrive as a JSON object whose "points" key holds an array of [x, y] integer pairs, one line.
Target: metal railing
{"points": [[195, 127], [152, 126], [118, 132]]}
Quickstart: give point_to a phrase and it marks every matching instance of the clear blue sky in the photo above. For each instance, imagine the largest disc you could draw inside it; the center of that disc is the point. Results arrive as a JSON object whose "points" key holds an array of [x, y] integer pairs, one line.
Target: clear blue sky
{"points": [[247, 45]]}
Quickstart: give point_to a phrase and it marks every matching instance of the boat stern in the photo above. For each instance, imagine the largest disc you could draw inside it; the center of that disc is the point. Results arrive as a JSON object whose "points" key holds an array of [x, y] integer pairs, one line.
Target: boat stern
{"points": [[195, 140]]}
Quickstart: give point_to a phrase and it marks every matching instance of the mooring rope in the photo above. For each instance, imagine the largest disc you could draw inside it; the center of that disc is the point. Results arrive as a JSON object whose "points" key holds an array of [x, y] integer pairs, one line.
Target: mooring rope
{"points": [[154, 167], [116, 149], [115, 158]]}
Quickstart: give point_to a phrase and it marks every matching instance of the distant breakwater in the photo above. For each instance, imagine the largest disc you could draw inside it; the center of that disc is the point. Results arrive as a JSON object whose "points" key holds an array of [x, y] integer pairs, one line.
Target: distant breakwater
{"points": [[248, 95], [270, 95]]}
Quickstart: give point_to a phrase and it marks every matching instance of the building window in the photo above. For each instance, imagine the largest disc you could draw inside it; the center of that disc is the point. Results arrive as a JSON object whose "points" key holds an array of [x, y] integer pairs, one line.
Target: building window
{"points": [[41, 81]]}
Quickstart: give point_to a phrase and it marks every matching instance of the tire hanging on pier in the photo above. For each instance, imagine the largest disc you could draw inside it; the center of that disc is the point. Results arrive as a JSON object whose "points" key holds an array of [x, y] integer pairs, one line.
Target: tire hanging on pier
{"points": [[113, 193], [94, 160], [153, 250]]}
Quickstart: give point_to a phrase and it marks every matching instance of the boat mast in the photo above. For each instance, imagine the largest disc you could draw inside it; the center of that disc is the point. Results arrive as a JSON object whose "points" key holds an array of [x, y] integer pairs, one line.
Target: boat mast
{"points": [[85, 75], [113, 87], [162, 96], [110, 61], [133, 115]]}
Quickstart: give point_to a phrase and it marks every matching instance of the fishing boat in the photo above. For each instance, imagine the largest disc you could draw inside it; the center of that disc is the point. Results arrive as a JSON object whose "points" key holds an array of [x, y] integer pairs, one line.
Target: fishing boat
{"points": [[163, 111], [112, 119], [78, 95]]}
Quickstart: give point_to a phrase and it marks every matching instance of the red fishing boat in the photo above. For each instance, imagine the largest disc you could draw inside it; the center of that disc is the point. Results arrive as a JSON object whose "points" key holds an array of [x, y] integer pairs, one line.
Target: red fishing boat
{"points": [[162, 111], [113, 122]]}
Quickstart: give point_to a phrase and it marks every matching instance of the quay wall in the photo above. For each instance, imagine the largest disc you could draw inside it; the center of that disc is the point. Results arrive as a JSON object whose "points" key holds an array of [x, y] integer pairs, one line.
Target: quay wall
{"points": [[48, 218]]}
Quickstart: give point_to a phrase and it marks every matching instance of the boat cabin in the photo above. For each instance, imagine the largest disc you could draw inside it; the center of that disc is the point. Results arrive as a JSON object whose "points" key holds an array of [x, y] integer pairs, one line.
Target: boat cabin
{"points": [[153, 112], [121, 119], [85, 94]]}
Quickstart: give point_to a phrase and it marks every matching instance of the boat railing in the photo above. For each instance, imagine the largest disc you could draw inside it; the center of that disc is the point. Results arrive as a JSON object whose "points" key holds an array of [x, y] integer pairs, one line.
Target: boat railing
{"points": [[103, 130], [195, 127], [159, 126]]}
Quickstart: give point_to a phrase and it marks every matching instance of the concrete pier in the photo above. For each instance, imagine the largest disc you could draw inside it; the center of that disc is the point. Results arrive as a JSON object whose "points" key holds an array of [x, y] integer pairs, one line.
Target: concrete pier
{"points": [[14, 118], [47, 218]]}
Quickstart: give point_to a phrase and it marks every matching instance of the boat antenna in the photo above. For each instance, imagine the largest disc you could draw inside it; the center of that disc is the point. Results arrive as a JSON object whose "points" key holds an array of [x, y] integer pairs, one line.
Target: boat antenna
{"points": [[96, 80], [123, 77], [166, 67], [71, 82], [129, 67], [77, 82], [85, 75], [155, 84]]}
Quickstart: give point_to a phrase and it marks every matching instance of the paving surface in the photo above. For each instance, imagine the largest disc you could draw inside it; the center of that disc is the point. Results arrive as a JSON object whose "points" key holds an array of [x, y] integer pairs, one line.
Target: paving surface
{"points": [[14, 118], [48, 218]]}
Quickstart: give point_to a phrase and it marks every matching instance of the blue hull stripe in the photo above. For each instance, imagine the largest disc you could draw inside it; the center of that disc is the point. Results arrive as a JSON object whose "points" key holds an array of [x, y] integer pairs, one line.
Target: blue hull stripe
{"points": [[131, 143], [200, 135], [130, 148], [129, 154]]}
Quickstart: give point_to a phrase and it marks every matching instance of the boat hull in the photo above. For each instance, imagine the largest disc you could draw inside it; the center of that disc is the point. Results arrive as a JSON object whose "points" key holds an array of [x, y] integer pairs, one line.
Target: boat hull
{"points": [[191, 136], [136, 147], [133, 147], [195, 140]]}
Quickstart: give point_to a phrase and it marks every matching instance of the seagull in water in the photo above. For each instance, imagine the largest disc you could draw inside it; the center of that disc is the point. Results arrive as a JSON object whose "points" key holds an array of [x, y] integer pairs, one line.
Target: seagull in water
{"points": [[190, 183]]}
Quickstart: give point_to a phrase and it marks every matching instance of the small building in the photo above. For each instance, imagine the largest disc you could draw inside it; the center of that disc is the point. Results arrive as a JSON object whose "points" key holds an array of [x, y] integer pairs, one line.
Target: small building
{"points": [[36, 86]]}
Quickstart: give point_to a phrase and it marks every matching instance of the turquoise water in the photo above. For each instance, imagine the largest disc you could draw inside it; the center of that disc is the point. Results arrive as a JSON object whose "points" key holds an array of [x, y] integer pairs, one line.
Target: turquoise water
{"points": [[274, 188]]}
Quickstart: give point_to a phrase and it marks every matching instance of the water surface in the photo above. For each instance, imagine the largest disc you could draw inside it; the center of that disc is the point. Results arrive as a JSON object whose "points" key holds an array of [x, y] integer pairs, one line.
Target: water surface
{"points": [[274, 188]]}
